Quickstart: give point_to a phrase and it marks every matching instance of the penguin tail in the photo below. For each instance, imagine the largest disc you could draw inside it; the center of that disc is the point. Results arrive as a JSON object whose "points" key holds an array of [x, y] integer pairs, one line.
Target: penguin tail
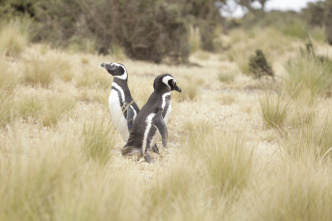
{"points": [[130, 150]]}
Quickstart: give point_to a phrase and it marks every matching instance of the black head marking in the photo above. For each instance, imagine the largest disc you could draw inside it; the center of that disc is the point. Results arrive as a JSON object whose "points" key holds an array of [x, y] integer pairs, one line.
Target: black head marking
{"points": [[166, 82], [116, 69]]}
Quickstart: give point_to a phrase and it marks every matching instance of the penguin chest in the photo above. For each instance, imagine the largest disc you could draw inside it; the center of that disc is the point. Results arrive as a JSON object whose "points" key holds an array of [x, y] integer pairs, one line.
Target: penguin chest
{"points": [[166, 106], [117, 116], [167, 111]]}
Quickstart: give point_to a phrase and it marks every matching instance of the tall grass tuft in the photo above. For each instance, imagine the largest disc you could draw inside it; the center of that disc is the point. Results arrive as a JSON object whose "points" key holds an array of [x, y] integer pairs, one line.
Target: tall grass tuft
{"points": [[38, 71], [30, 107], [13, 37], [8, 109], [224, 156], [228, 162], [99, 140], [274, 110], [52, 180], [300, 190], [177, 194], [44, 70], [8, 78], [54, 109], [314, 138], [309, 72]]}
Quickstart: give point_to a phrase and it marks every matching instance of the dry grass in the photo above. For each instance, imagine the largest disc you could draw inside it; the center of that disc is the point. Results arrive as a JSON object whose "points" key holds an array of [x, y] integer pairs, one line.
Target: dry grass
{"points": [[13, 37], [60, 159], [274, 110], [99, 140]]}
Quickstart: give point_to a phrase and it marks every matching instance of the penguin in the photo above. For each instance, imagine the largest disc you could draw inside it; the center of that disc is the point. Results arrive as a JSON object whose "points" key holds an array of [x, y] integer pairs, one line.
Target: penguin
{"points": [[152, 117], [123, 108]]}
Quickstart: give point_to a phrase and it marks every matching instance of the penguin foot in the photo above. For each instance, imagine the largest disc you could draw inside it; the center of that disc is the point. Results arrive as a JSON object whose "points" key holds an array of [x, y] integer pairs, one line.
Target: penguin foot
{"points": [[148, 158], [155, 149]]}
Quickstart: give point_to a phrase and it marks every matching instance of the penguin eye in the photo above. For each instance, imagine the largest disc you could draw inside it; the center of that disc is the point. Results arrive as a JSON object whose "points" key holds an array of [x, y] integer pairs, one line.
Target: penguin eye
{"points": [[173, 82]]}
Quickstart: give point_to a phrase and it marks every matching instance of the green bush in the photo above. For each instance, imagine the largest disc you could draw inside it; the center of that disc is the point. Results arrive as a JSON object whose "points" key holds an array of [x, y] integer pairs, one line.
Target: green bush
{"points": [[259, 66]]}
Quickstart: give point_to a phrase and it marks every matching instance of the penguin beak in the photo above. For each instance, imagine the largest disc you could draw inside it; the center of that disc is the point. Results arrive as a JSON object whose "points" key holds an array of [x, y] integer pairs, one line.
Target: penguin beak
{"points": [[108, 67], [177, 88]]}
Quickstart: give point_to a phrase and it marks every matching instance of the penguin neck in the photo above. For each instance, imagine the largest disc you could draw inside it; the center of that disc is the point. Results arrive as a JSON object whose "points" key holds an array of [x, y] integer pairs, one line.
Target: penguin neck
{"points": [[162, 91], [120, 81], [123, 84]]}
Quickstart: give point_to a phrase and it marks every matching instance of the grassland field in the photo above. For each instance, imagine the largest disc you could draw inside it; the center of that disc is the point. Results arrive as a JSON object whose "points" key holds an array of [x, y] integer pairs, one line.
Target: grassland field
{"points": [[239, 148]]}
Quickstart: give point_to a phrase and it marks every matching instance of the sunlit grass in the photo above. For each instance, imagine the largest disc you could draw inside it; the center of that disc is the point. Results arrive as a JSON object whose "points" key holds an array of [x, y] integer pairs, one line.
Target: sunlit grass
{"points": [[54, 109], [94, 77], [9, 79], [225, 157], [274, 110], [8, 109], [13, 37], [300, 190], [99, 140], [38, 71]]}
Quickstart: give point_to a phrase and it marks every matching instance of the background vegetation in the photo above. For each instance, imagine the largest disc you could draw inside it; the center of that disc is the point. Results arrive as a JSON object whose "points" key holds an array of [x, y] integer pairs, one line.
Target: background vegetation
{"points": [[242, 145]]}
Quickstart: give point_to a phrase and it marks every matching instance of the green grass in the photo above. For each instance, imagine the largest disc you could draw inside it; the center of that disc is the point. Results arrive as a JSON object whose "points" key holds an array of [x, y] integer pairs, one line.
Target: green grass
{"points": [[274, 110]]}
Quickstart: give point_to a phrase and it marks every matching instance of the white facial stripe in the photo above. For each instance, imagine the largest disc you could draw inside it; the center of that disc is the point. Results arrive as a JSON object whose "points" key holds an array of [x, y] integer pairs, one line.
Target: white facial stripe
{"points": [[125, 75], [120, 89], [164, 99], [166, 79], [148, 122]]}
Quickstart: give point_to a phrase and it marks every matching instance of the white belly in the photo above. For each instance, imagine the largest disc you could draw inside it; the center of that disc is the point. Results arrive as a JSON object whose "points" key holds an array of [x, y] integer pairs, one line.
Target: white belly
{"points": [[117, 117]]}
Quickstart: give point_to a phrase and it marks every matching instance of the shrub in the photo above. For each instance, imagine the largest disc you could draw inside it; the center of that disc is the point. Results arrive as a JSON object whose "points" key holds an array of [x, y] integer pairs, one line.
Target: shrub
{"points": [[259, 66]]}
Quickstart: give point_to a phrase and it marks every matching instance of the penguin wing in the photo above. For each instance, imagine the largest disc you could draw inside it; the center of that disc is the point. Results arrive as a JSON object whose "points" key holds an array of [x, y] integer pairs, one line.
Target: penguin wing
{"points": [[158, 122], [131, 113]]}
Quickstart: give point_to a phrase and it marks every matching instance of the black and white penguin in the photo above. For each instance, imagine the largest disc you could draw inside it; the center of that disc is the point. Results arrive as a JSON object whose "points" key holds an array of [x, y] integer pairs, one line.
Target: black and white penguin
{"points": [[153, 116], [123, 108]]}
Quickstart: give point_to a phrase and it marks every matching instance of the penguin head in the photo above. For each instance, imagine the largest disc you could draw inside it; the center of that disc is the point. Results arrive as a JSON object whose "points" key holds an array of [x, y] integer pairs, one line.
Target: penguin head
{"points": [[166, 82], [116, 69]]}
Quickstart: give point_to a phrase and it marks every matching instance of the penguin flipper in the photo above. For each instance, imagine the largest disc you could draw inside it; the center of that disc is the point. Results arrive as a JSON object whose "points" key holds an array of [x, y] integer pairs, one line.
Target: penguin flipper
{"points": [[130, 117], [159, 123]]}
